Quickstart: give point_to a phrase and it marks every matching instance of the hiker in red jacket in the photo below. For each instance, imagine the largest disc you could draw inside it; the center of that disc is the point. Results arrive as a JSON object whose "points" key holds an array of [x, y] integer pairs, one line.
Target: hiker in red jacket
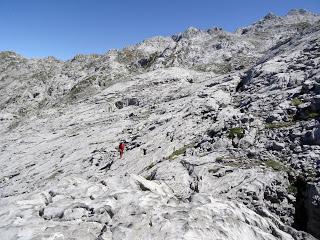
{"points": [[121, 149]]}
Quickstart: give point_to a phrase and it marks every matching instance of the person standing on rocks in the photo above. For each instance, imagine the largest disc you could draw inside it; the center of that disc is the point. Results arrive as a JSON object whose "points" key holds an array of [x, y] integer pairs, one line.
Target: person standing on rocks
{"points": [[121, 149]]}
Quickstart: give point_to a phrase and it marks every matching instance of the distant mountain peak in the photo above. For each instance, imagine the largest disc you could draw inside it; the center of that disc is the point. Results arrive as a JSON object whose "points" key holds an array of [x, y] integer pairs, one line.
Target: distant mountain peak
{"points": [[10, 55], [271, 15], [190, 32], [299, 12], [217, 125]]}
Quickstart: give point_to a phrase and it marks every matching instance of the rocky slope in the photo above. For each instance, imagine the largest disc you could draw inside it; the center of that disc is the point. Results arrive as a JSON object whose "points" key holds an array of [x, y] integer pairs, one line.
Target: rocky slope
{"points": [[222, 134]]}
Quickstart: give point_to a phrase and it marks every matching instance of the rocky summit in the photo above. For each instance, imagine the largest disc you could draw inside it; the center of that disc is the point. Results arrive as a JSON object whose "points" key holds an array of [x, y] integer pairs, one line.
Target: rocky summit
{"points": [[221, 132]]}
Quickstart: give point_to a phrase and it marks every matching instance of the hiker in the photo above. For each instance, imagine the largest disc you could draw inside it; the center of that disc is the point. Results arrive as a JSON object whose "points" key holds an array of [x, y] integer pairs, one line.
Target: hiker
{"points": [[121, 149]]}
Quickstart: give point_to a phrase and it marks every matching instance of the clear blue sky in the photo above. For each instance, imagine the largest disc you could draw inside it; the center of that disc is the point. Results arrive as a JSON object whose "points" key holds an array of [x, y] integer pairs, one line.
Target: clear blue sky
{"points": [[63, 28]]}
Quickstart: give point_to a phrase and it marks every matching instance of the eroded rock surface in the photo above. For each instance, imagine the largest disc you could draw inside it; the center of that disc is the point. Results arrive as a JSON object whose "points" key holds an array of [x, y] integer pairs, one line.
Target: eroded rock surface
{"points": [[222, 133]]}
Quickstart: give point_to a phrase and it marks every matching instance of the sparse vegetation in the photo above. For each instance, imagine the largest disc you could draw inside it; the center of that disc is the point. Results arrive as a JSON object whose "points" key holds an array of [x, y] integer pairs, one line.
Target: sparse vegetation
{"points": [[129, 55], [302, 25], [179, 151], [292, 189], [296, 101], [306, 114], [311, 114], [223, 68], [276, 165], [150, 166], [238, 164], [236, 132], [91, 78], [80, 86], [5, 54]]}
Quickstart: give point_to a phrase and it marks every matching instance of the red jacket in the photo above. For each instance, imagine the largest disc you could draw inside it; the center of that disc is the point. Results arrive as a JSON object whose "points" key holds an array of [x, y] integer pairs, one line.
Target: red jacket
{"points": [[121, 146]]}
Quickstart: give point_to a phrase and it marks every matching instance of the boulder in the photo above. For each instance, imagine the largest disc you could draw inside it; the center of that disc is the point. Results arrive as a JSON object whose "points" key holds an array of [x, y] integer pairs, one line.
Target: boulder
{"points": [[312, 137], [277, 146]]}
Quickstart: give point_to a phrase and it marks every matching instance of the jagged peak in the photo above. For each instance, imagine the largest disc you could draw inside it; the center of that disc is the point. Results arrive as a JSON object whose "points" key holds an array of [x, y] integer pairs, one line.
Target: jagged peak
{"points": [[215, 30], [192, 29], [9, 54], [270, 15], [155, 39], [52, 59], [83, 57], [299, 12], [191, 32]]}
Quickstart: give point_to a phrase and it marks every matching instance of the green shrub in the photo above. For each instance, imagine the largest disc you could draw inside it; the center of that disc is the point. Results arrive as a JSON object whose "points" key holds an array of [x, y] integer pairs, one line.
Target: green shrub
{"points": [[236, 132], [42, 75], [150, 166], [223, 68], [179, 151], [302, 25], [82, 85], [313, 114], [276, 165], [292, 189], [307, 114], [296, 102], [129, 55]]}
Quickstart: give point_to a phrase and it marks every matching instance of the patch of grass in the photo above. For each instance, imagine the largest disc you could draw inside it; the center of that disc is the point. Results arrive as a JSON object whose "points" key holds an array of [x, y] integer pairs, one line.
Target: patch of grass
{"points": [[42, 75], [82, 85], [91, 78], [128, 55], [223, 68], [276, 165], [292, 189], [296, 102], [150, 166], [179, 151], [302, 25], [147, 168], [307, 114], [236, 164], [313, 114], [236, 132]]}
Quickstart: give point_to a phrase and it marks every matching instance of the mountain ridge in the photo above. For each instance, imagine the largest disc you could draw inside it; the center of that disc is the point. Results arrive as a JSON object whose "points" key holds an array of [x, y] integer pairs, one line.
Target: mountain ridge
{"points": [[221, 129]]}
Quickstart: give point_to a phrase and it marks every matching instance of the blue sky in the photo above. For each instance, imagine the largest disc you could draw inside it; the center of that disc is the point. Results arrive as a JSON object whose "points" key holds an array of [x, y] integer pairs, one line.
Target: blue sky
{"points": [[63, 28]]}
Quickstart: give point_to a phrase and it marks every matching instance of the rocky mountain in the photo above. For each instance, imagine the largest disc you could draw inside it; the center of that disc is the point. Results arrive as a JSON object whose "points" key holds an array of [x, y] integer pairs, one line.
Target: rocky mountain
{"points": [[222, 138]]}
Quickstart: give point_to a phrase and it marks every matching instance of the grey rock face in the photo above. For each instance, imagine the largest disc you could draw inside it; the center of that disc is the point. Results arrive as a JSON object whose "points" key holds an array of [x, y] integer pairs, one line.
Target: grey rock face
{"points": [[313, 208], [221, 130], [312, 137]]}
